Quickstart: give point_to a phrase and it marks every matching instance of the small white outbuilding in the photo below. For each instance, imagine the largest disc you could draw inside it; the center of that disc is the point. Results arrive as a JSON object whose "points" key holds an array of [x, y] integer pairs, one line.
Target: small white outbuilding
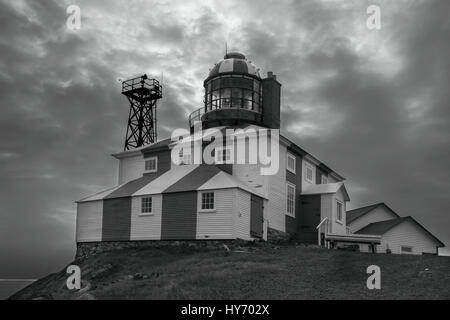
{"points": [[399, 235]]}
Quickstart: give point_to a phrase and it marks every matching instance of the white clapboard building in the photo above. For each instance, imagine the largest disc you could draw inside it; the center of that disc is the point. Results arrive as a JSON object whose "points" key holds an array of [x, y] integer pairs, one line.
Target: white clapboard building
{"points": [[158, 198], [401, 235]]}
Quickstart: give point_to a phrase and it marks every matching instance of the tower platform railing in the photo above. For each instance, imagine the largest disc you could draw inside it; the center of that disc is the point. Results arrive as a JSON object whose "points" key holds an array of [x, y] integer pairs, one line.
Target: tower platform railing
{"points": [[142, 88]]}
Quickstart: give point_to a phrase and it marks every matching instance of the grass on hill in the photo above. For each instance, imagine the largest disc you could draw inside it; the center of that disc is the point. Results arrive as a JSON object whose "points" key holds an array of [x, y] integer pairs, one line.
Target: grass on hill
{"points": [[266, 272]]}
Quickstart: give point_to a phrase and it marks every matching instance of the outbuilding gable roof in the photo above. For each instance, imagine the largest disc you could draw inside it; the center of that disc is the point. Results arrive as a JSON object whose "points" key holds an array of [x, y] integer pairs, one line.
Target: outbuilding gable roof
{"points": [[354, 214], [381, 227]]}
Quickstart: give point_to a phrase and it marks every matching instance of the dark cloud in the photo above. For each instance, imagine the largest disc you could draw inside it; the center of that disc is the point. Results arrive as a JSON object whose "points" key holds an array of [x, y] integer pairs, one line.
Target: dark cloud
{"points": [[372, 104]]}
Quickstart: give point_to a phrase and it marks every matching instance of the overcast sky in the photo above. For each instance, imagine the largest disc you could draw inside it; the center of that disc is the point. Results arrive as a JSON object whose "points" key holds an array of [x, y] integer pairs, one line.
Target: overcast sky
{"points": [[371, 104]]}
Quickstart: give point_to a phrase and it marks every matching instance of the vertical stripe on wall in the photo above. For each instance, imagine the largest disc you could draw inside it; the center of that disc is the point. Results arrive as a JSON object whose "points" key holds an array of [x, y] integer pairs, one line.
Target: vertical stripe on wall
{"points": [[146, 227], [116, 219], [256, 216], [179, 216], [310, 218], [292, 224], [89, 221]]}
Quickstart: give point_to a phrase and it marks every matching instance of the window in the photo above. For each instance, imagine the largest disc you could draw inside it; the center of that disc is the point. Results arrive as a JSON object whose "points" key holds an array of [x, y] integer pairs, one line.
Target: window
{"points": [[291, 163], [339, 211], [324, 179], [185, 157], [309, 173], [146, 205], [290, 199], [207, 201], [223, 155], [406, 249], [151, 164]]}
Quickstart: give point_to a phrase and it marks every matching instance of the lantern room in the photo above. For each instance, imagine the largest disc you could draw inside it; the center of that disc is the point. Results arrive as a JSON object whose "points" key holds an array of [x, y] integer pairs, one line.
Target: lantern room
{"points": [[235, 94]]}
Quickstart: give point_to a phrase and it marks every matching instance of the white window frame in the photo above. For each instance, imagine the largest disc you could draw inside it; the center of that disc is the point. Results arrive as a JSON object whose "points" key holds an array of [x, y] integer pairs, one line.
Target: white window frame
{"points": [[223, 151], [200, 208], [324, 179], [291, 156], [156, 165], [146, 213], [311, 167], [339, 203], [290, 185]]}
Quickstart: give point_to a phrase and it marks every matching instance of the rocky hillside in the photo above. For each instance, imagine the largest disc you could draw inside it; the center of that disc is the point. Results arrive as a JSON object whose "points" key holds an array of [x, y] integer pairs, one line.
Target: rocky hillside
{"points": [[246, 272]]}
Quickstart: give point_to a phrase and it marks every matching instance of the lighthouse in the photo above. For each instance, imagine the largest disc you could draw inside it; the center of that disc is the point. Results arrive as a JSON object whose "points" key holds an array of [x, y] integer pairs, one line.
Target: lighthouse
{"points": [[157, 198]]}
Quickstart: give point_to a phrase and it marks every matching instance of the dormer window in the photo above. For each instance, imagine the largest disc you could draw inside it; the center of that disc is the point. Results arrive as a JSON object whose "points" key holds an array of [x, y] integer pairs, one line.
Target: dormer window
{"points": [[324, 179], [151, 164]]}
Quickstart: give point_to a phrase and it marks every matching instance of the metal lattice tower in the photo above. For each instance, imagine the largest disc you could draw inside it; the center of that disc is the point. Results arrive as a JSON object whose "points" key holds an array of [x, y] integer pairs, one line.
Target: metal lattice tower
{"points": [[142, 93]]}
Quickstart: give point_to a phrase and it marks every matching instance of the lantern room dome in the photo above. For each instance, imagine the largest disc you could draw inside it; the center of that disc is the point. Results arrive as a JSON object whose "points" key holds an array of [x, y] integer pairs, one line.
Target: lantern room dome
{"points": [[234, 62]]}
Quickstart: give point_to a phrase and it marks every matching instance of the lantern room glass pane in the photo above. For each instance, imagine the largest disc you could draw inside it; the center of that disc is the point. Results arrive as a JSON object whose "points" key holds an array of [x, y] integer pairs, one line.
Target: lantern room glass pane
{"points": [[256, 97], [225, 98], [247, 104], [226, 93], [215, 99], [255, 85], [247, 95], [234, 91], [216, 84]]}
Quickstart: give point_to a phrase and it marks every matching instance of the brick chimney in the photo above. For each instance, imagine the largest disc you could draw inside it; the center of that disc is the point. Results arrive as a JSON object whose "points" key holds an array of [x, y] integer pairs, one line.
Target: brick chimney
{"points": [[271, 93]]}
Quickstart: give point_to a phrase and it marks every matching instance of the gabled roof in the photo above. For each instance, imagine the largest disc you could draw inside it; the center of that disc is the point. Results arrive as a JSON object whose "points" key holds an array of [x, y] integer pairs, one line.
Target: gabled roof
{"points": [[325, 188], [194, 179], [310, 157], [166, 180], [223, 180], [99, 195], [178, 179], [381, 227], [127, 189], [357, 213], [162, 144]]}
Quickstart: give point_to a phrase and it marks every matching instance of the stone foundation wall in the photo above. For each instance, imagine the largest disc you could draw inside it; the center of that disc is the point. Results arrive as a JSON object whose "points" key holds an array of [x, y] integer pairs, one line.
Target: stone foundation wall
{"points": [[87, 249], [276, 236]]}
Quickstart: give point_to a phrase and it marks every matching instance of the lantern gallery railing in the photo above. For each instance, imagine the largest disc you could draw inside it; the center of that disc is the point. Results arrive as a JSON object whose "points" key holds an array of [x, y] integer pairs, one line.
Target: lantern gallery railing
{"points": [[197, 114]]}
